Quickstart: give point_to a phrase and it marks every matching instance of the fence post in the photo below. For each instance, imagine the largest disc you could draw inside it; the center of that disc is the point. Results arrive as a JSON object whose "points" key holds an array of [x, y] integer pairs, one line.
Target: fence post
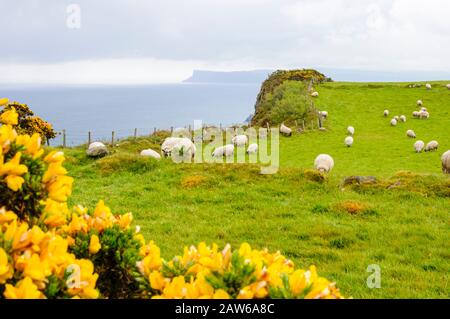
{"points": [[268, 126], [296, 125], [303, 125], [171, 130], [135, 133], [312, 125], [154, 130], [89, 138], [64, 138], [112, 138]]}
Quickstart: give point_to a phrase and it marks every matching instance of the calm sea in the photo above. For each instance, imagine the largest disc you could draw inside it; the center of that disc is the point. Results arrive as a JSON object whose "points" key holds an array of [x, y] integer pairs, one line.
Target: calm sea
{"points": [[103, 109]]}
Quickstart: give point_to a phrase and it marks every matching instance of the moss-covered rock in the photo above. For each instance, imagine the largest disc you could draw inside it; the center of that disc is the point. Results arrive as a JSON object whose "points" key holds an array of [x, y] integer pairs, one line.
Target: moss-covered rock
{"points": [[283, 96]]}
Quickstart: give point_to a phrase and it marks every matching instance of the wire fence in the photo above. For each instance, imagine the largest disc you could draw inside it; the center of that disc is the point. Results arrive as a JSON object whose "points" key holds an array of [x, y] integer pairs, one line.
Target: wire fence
{"points": [[66, 138]]}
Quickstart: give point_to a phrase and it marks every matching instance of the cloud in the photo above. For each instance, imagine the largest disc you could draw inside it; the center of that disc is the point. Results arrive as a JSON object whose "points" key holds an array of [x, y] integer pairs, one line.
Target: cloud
{"points": [[179, 34]]}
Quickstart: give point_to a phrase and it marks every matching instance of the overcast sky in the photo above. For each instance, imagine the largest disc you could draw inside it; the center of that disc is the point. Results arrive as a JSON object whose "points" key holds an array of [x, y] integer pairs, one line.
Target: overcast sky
{"points": [[145, 41]]}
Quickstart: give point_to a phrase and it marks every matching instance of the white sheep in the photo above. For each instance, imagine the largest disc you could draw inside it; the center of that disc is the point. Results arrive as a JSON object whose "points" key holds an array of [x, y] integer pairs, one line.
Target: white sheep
{"points": [[445, 159], [397, 118], [240, 140], [185, 148], [411, 133], [394, 122], [416, 114], [226, 150], [418, 146], [285, 130], [424, 115], [315, 94], [177, 142], [402, 118], [324, 163], [432, 146], [448, 86], [428, 86], [419, 103], [150, 153], [386, 113], [252, 148], [351, 130], [348, 141], [323, 114], [423, 109]]}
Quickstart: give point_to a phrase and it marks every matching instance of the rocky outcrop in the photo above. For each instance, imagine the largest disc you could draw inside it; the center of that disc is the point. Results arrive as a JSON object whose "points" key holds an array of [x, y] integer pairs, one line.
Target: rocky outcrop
{"points": [[97, 149]]}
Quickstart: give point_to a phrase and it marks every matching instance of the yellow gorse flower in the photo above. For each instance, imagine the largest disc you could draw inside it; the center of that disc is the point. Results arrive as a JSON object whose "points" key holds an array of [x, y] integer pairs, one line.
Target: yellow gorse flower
{"points": [[6, 216], [94, 244], [32, 144], [25, 289], [9, 117], [4, 101], [7, 136], [6, 269], [13, 171]]}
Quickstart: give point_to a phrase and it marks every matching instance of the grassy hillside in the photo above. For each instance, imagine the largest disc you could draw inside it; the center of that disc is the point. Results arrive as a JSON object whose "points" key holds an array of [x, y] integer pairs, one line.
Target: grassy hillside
{"points": [[401, 224]]}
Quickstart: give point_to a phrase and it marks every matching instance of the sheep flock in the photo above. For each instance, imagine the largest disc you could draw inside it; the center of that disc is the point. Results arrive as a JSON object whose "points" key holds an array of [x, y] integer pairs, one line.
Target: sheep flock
{"points": [[323, 163]]}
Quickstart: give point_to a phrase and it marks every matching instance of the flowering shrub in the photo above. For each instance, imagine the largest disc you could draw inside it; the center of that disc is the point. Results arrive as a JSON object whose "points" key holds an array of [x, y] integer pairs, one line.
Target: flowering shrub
{"points": [[36, 264], [110, 244], [28, 123], [50, 251], [206, 272]]}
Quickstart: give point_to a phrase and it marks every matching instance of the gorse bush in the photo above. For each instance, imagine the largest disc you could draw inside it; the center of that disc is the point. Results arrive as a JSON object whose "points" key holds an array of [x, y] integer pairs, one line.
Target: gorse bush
{"points": [[48, 250], [28, 123]]}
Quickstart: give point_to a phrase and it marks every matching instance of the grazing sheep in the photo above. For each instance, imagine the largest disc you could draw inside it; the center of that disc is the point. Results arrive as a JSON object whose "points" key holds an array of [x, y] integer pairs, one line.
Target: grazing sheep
{"points": [[226, 150], [419, 103], [240, 140], [415, 114], [324, 163], [428, 86], [323, 114], [394, 122], [184, 148], [397, 118], [177, 142], [424, 114], [97, 149], [418, 146], [386, 113], [446, 162], [351, 130], [252, 148], [448, 86], [315, 94], [432, 146], [348, 141], [410, 133], [285, 130], [423, 109], [402, 118], [151, 153]]}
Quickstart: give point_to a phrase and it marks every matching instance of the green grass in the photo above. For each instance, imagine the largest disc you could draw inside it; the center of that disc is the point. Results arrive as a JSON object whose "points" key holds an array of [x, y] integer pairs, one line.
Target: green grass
{"points": [[404, 229]]}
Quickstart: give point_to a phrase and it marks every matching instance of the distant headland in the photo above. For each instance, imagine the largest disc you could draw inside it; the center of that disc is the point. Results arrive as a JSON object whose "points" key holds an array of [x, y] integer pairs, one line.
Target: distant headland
{"points": [[203, 76], [258, 76]]}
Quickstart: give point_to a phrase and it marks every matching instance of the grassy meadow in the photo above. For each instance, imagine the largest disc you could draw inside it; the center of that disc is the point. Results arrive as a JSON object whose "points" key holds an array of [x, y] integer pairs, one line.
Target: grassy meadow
{"points": [[402, 223]]}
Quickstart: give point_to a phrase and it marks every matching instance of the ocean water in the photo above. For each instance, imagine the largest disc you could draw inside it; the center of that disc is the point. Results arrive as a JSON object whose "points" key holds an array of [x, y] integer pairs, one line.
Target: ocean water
{"points": [[103, 109]]}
